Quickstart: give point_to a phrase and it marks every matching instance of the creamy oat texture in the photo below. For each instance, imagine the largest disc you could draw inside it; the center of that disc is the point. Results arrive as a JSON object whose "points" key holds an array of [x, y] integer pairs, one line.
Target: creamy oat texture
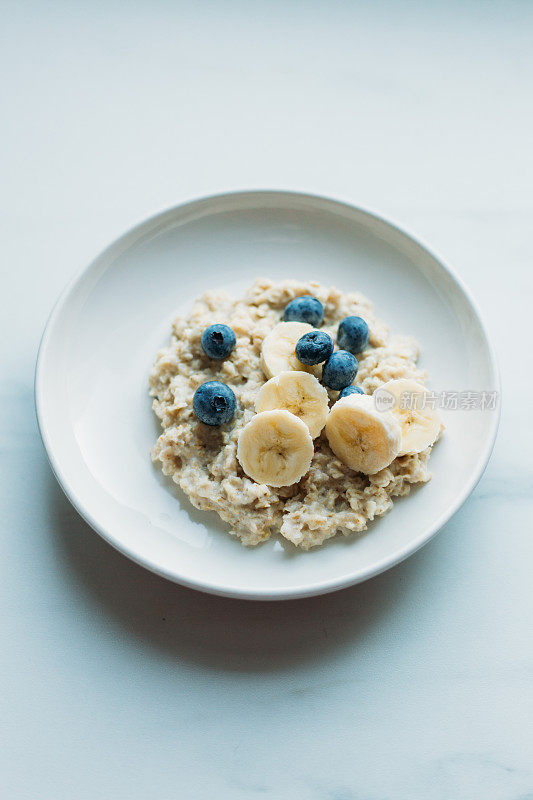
{"points": [[202, 460]]}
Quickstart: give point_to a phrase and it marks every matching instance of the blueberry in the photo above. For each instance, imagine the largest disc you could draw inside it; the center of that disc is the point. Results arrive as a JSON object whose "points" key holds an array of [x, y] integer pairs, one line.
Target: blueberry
{"points": [[304, 309], [314, 347], [214, 403], [218, 341], [353, 335], [350, 390], [340, 370]]}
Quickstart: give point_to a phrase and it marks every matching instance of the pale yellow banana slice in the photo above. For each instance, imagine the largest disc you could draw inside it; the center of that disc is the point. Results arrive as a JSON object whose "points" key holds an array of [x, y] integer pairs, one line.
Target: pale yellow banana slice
{"points": [[408, 401], [297, 392], [275, 448], [365, 439], [277, 353]]}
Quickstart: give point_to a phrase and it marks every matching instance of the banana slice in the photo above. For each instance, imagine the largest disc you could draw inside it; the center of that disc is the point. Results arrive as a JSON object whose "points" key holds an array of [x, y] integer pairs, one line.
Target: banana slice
{"points": [[277, 353], [364, 438], [297, 392], [419, 422], [275, 448]]}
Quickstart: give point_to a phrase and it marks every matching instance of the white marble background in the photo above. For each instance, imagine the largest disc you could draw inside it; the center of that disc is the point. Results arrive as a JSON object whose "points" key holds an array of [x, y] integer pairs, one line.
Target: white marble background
{"points": [[117, 684]]}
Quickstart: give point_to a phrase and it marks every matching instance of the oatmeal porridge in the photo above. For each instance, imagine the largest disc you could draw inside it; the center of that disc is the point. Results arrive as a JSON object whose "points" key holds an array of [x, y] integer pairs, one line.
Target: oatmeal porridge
{"points": [[289, 444]]}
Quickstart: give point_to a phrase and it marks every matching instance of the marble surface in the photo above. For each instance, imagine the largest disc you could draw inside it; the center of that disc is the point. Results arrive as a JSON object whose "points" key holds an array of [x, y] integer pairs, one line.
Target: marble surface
{"points": [[115, 683]]}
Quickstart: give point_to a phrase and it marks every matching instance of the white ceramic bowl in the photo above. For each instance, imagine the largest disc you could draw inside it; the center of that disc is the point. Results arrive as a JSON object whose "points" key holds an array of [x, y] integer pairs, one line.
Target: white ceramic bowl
{"points": [[95, 415]]}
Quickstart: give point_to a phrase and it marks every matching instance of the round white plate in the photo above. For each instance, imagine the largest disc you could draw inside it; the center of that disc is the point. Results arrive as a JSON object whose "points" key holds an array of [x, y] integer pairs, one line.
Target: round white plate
{"points": [[95, 414]]}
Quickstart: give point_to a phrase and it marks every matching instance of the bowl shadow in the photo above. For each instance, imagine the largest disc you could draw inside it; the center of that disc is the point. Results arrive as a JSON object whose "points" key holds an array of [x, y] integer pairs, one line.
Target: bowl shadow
{"points": [[219, 633]]}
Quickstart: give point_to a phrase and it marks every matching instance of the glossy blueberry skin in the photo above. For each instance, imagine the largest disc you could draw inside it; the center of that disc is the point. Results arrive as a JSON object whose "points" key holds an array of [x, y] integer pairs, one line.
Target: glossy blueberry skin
{"points": [[218, 341], [350, 390], [353, 335], [304, 309], [314, 347], [214, 403], [340, 370]]}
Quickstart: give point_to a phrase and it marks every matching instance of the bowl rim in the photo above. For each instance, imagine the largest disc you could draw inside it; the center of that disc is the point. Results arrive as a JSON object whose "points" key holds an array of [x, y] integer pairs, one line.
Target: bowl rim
{"points": [[244, 592]]}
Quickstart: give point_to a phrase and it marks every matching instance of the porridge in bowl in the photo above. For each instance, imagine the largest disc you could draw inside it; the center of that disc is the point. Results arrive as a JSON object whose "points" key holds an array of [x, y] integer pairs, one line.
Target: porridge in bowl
{"points": [[284, 411]]}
